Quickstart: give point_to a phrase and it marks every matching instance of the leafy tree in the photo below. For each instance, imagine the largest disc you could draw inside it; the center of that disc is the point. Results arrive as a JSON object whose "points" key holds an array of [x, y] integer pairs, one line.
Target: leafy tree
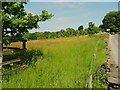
{"points": [[91, 25], [101, 27], [28, 36], [71, 31], [61, 33], [112, 21], [84, 32], [92, 29], [17, 22], [77, 33], [80, 27], [53, 35], [47, 35]]}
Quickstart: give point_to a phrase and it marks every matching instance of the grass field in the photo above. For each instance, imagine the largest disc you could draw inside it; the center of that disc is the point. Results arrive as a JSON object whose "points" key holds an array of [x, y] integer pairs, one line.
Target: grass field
{"points": [[65, 64]]}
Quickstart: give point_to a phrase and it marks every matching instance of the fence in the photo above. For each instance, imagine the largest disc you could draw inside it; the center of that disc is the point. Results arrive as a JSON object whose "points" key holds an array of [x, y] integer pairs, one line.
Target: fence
{"points": [[11, 62], [89, 80]]}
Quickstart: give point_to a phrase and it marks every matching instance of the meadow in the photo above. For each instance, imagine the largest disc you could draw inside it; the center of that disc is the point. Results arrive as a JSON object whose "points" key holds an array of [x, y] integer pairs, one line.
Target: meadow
{"points": [[65, 64]]}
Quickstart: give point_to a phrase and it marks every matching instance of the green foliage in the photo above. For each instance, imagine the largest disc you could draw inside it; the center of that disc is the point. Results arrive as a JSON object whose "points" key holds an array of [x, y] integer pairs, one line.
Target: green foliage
{"points": [[100, 68], [80, 28], [6, 40], [100, 76], [16, 21], [28, 57], [101, 27], [45, 16], [63, 33], [64, 66], [92, 29], [111, 21], [71, 31]]}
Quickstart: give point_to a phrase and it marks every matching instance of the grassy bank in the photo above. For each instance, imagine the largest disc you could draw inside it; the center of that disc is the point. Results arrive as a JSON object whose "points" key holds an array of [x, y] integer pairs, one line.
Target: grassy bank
{"points": [[65, 64]]}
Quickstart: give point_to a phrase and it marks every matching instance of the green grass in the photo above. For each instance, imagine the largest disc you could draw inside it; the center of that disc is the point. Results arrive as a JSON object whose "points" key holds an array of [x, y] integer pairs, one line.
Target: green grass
{"points": [[64, 65]]}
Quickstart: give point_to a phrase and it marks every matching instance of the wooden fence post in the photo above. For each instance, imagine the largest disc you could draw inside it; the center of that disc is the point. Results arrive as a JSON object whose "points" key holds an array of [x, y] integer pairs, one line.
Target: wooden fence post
{"points": [[24, 44], [90, 82]]}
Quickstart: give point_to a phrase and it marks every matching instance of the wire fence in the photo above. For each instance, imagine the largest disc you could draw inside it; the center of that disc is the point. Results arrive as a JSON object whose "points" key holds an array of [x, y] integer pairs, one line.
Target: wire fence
{"points": [[90, 77]]}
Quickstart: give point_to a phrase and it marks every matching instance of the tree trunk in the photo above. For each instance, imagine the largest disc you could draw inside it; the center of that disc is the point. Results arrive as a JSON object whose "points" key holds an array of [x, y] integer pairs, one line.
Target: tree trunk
{"points": [[24, 44]]}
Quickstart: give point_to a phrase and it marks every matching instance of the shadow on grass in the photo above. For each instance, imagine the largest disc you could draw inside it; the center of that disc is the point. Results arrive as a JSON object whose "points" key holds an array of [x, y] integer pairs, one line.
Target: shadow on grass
{"points": [[28, 57]]}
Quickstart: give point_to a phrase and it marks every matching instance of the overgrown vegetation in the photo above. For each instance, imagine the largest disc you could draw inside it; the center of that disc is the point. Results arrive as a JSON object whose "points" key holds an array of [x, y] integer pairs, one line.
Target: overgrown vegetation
{"points": [[28, 57], [16, 21], [65, 64], [92, 29]]}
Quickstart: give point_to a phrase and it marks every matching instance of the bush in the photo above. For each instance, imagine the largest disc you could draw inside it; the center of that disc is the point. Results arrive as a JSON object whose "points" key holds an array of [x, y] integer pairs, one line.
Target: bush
{"points": [[30, 56], [100, 76]]}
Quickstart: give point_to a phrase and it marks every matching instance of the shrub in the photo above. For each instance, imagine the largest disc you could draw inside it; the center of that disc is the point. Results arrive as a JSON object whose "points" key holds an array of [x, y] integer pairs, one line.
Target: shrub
{"points": [[30, 56]]}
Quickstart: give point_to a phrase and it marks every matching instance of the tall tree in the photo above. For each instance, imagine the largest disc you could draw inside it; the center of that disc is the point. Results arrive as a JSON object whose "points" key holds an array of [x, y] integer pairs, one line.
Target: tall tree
{"points": [[112, 21], [16, 21]]}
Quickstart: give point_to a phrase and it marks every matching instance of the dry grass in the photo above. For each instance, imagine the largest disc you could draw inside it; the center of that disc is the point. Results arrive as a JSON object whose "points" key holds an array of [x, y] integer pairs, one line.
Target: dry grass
{"points": [[46, 42]]}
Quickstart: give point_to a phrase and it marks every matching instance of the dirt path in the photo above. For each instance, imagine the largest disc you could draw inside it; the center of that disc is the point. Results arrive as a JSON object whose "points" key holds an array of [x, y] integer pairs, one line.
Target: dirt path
{"points": [[113, 74], [113, 44]]}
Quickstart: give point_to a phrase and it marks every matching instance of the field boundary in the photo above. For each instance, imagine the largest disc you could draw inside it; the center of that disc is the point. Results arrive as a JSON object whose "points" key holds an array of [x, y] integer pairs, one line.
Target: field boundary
{"points": [[89, 80], [15, 70], [7, 63], [10, 62]]}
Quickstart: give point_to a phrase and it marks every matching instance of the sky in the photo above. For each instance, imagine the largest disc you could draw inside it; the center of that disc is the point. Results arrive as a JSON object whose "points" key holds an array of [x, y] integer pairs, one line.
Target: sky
{"points": [[70, 14]]}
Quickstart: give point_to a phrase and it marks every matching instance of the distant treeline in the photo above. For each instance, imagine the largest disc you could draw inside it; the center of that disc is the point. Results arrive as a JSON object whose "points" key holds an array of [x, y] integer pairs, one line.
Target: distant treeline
{"points": [[92, 29]]}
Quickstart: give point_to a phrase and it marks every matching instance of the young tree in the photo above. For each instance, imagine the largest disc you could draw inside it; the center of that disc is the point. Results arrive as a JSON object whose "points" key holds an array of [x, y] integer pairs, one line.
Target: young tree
{"points": [[16, 21]]}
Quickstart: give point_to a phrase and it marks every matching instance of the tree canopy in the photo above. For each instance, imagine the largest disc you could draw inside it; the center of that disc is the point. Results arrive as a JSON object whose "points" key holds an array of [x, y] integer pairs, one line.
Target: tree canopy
{"points": [[80, 27], [17, 22], [111, 21], [68, 32]]}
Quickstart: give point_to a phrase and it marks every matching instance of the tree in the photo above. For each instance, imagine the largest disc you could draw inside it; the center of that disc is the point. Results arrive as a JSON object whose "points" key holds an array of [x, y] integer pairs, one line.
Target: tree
{"points": [[112, 21], [17, 22], [80, 27], [46, 35], [28, 36], [92, 29], [61, 33], [71, 31], [101, 27]]}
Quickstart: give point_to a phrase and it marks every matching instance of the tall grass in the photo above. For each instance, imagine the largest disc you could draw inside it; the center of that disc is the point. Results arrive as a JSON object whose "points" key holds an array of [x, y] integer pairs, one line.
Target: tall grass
{"points": [[65, 64]]}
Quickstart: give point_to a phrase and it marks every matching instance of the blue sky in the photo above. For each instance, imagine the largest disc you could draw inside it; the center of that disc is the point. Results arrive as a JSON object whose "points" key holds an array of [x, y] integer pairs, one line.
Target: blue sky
{"points": [[70, 14]]}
